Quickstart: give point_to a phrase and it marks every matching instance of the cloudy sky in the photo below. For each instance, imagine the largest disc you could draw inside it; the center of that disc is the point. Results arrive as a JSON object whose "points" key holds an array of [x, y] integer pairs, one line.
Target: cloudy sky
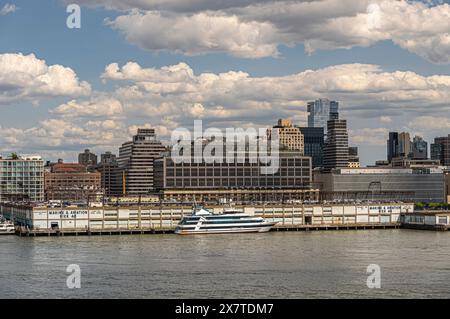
{"points": [[231, 63]]}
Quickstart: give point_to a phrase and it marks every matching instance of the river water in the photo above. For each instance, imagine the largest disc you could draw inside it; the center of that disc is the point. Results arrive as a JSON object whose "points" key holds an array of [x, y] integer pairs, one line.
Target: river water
{"points": [[317, 264]]}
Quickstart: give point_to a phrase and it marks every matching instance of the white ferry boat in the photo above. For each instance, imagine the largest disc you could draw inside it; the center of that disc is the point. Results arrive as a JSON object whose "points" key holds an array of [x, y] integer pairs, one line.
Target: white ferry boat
{"points": [[6, 227], [203, 221]]}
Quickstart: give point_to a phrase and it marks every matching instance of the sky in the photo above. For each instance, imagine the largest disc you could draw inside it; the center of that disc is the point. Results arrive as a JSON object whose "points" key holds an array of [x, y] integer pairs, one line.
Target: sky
{"points": [[230, 63]]}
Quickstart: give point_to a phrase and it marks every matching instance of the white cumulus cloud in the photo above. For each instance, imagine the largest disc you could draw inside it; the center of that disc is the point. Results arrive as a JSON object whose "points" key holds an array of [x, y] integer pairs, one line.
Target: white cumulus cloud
{"points": [[7, 8], [255, 29], [25, 77], [92, 108], [198, 33]]}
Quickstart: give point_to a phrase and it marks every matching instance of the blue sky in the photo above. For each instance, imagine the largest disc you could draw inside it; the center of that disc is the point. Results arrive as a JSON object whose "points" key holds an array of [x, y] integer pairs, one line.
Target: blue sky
{"points": [[39, 28]]}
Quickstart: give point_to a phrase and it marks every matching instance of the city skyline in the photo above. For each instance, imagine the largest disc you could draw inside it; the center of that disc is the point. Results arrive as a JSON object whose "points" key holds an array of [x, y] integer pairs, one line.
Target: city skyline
{"points": [[140, 83], [225, 157]]}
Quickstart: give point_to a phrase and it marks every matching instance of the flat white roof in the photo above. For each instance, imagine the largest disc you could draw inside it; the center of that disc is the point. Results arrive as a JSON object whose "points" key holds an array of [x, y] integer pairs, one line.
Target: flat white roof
{"points": [[22, 158], [383, 170]]}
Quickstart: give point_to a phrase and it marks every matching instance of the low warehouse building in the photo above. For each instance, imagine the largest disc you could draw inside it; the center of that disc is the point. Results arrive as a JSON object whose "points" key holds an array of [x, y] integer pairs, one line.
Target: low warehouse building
{"points": [[168, 216]]}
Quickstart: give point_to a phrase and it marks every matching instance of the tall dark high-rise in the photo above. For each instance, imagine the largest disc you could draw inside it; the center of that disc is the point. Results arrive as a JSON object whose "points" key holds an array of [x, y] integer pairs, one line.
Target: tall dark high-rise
{"points": [[136, 160], [440, 150], [419, 148], [314, 141], [392, 146], [335, 153], [111, 174]]}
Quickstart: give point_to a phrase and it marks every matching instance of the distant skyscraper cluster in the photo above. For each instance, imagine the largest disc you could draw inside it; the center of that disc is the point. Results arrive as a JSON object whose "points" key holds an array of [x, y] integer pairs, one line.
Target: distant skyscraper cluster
{"points": [[326, 137], [399, 145]]}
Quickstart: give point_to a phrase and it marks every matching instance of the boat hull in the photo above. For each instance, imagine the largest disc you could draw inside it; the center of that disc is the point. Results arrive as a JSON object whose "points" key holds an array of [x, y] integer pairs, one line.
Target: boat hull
{"points": [[7, 231], [255, 229]]}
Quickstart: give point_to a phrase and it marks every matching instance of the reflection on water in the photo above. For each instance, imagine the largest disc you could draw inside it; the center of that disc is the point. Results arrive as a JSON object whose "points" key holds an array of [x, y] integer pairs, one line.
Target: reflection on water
{"points": [[330, 264]]}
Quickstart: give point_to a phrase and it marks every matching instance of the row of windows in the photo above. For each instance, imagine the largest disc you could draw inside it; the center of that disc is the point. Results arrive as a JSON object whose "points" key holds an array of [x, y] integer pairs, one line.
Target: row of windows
{"points": [[254, 182], [283, 162], [225, 172], [16, 173]]}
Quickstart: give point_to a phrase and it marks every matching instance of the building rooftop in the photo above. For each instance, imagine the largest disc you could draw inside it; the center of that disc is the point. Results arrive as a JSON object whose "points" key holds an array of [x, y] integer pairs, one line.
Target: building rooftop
{"points": [[22, 158], [68, 168], [385, 170]]}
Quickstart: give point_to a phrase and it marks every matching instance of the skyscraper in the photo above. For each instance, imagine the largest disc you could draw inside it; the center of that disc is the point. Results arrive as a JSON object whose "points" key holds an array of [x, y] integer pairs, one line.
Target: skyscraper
{"points": [[440, 150], [320, 111], [436, 151], [314, 140], [419, 148], [404, 145], [335, 154], [392, 146], [111, 174], [136, 160]]}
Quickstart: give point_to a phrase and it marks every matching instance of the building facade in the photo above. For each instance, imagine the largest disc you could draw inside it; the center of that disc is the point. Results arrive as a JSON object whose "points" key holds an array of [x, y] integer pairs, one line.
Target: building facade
{"points": [[392, 146], [111, 174], [22, 178], [418, 185], [419, 148], [290, 137], [72, 182], [404, 145], [154, 216], [335, 152], [414, 163], [440, 150], [136, 159], [447, 185], [107, 158], [87, 158], [294, 172], [320, 111], [314, 140], [353, 159]]}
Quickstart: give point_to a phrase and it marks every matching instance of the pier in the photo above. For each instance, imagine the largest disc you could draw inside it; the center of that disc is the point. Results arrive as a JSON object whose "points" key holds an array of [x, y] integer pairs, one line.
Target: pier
{"points": [[23, 232], [427, 220], [96, 232], [163, 219]]}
